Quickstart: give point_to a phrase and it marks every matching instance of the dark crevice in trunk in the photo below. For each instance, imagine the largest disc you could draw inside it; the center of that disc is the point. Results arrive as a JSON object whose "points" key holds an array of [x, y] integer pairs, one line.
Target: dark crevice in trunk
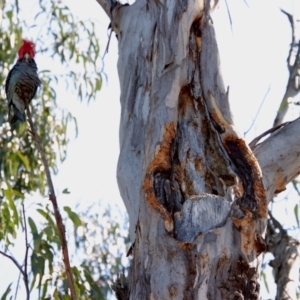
{"points": [[191, 259], [245, 173], [243, 281]]}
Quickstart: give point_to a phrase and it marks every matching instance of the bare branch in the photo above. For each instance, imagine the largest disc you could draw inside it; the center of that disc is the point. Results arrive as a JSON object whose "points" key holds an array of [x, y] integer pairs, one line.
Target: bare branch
{"points": [[258, 138], [107, 46], [261, 104], [14, 261], [246, 3], [294, 38], [292, 88], [286, 262], [25, 276], [279, 158], [229, 15], [17, 286], [52, 198], [24, 273], [108, 6]]}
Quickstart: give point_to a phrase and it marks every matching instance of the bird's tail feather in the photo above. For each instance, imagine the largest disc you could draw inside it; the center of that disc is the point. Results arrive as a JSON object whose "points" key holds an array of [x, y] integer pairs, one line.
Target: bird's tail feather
{"points": [[17, 116]]}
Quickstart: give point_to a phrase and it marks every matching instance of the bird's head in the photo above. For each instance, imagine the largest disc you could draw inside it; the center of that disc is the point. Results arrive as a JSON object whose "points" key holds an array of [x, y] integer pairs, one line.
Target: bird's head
{"points": [[26, 50]]}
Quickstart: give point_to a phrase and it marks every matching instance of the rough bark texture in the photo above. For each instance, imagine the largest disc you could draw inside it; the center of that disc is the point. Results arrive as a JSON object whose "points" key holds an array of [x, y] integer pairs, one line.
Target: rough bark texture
{"points": [[191, 185]]}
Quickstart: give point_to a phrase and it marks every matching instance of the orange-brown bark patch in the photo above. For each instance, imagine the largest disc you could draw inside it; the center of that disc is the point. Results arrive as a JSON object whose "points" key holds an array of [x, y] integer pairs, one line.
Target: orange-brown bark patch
{"points": [[248, 233], [186, 246], [162, 163], [198, 164], [185, 100], [247, 166]]}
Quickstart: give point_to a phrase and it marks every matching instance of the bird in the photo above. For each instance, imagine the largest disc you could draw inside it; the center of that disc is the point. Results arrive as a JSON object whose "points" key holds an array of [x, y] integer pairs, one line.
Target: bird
{"points": [[22, 81]]}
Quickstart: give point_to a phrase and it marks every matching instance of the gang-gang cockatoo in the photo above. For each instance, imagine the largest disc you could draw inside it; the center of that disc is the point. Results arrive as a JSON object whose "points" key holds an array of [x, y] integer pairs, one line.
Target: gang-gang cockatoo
{"points": [[22, 81]]}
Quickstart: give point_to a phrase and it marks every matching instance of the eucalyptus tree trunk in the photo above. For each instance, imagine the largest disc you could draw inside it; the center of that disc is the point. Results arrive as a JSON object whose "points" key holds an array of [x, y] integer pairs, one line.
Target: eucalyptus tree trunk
{"points": [[194, 191]]}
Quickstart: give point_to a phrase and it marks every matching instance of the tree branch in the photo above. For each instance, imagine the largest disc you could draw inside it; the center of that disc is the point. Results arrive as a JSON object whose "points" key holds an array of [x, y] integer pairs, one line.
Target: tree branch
{"points": [[286, 262], [279, 158], [292, 88], [261, 104], [294, 38], [252, 144], [284, 248], [25, 276], [17, 286], [14, 261], [52, 198]]}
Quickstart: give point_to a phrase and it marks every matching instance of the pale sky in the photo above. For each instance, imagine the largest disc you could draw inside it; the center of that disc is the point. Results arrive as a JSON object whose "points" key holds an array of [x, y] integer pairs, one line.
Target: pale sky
{"points": [[253, 57]]}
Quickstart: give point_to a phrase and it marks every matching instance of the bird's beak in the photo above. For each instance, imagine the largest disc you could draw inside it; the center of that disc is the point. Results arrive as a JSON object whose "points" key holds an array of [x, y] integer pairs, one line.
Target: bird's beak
{"points": [[26, 56]]}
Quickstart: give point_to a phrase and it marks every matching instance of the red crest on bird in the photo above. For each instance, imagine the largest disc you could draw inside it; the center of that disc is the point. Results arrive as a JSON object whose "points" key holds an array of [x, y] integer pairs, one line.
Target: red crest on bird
{"points": [[27, 47]]}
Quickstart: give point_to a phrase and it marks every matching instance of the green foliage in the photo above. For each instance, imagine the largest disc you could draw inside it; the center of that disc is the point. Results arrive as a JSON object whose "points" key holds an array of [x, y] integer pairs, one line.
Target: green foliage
{"points": [[264, 277], [72, 45], [296, 212], [103, 240], [99, 242], [61, 38], [8, 290]]}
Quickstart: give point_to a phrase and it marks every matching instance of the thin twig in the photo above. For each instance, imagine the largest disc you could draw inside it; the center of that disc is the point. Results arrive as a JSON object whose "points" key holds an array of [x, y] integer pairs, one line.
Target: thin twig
{"points": [[255, 141], [261, 104], [229, 15], [246, 3], [13, 260], [25, 276], [107, 46], [17, 287], [52, 198]]}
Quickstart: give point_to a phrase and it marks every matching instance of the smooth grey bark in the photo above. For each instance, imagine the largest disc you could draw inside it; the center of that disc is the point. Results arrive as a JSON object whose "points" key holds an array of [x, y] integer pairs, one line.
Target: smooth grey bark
{"points": [[279, 158], [191, 185]]}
